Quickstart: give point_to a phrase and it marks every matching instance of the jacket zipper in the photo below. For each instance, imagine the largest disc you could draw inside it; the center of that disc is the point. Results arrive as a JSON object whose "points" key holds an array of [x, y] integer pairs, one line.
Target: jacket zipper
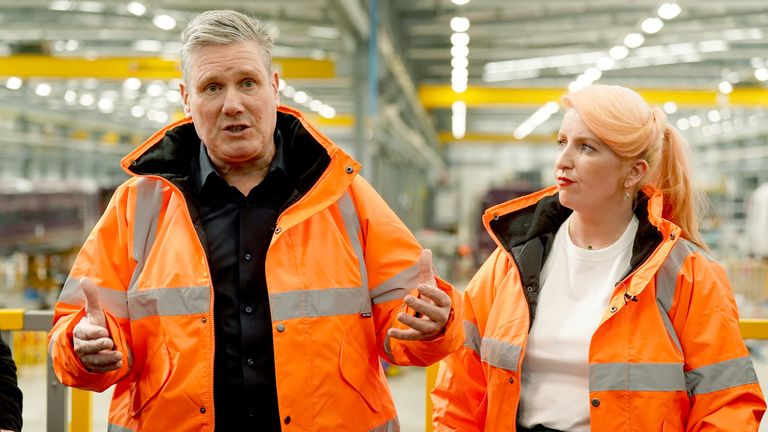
{"points": [[212, 340]]}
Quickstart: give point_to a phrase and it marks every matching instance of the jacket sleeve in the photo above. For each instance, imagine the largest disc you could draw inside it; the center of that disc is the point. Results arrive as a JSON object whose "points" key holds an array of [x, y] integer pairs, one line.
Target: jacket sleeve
{"points": [[721, 381], [10, 395], [460, 394], [105, 259], [391, 258]]}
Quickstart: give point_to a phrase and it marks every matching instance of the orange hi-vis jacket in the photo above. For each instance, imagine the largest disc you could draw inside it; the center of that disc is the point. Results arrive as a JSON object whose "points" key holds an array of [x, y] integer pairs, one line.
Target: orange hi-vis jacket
{"points": [[666, 357], [337, 269]]}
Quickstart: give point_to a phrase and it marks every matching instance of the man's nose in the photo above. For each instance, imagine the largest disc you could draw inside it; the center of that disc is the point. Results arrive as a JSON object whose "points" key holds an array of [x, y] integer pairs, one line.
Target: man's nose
{"points": [[233, 102]]}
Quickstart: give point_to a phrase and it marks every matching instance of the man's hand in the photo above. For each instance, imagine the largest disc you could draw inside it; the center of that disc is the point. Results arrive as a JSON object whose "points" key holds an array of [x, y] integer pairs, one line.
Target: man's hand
{"points": [[432, 307], [92, 342]]}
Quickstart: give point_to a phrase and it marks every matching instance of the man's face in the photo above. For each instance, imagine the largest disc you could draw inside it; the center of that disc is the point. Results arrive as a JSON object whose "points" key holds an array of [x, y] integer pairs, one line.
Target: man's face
{"points": [[232, 99]]}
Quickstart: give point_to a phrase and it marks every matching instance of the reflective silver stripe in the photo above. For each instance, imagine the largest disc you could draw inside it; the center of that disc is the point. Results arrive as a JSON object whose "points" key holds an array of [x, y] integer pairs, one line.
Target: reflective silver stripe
{"points": [[500, 354], [397, 286], [670, 328], [666, 278], [53, 340], [149, 201], [169, 302], [720, 376], [319, 303], [352, 225], [390, 426], [636, 377], [666, 282], [113, 301], [115, 428], [472, 336]]}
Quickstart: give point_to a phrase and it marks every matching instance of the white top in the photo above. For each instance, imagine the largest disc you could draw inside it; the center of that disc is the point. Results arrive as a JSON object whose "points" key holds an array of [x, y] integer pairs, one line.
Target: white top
{"points": [[576, 286]]}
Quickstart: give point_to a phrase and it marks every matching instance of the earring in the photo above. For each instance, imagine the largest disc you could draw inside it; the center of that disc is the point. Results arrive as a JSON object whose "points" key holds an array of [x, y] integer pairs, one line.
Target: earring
{"points": [[626, 193]]}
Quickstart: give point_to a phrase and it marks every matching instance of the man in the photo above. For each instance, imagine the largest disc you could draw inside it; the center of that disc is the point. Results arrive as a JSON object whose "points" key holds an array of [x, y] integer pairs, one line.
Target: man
{"points": [[245, 277], [10, 394]]}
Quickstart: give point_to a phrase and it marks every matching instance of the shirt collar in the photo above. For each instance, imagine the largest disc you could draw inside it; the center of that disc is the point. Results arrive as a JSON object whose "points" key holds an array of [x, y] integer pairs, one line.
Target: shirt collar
{"points": [[206, 168]]}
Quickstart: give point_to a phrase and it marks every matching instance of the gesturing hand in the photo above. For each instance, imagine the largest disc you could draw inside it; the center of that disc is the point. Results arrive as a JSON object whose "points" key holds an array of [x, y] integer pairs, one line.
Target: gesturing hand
{"points": [[91, 338], [432, 307]]}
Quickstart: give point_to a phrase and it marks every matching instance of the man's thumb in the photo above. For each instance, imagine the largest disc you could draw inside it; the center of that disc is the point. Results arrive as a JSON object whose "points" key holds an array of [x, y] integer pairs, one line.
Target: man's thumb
{"points": [[92, 306], [426, 275]]}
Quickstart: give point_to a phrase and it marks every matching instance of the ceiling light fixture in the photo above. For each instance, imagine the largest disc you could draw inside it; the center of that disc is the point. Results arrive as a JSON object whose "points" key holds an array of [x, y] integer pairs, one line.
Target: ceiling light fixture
{"points": [[136, 8], [652, 25], [669, 11], [164, 22]]}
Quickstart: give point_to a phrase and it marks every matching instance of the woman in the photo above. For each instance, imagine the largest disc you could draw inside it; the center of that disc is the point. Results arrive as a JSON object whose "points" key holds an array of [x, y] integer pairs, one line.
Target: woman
{"points": [[601, 309]]}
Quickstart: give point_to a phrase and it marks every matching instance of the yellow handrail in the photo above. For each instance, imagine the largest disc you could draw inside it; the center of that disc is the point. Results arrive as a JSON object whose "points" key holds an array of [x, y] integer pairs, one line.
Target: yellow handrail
{"points": [[81, 409]]}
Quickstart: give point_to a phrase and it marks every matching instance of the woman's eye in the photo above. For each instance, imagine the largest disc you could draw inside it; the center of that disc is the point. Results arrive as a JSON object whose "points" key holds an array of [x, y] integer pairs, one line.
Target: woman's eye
{"points": [[561, 143]]}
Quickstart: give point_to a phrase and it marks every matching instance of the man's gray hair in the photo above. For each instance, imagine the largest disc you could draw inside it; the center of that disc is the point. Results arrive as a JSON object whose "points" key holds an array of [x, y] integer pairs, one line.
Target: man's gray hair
{"points": [[222, 27]]}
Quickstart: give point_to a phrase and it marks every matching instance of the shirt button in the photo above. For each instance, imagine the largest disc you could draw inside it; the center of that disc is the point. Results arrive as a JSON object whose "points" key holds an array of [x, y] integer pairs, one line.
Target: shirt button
{"points": [[248, 309], [250, 362], [248, 257], [529, 288], [280, 327], [287, 420], [595, 402]]}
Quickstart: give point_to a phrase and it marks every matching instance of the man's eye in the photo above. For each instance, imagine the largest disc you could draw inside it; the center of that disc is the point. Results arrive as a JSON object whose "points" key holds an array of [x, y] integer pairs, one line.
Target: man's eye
{"points": [[249, 83], [211, 88]]}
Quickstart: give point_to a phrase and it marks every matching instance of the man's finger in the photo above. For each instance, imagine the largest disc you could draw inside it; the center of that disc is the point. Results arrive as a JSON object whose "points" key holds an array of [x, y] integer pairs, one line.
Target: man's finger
{"points": [[432, 292], [92, 305], [404, 334], [88, 347], [426, 275]]}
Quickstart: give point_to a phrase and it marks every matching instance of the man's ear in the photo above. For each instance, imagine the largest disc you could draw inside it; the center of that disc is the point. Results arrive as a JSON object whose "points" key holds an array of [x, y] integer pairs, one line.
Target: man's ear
{"points": [[275, 88], [185, 99]]}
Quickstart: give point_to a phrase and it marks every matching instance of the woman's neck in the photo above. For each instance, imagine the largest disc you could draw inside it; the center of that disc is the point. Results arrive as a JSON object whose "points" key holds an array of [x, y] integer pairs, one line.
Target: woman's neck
{"points": [[599, 230]]}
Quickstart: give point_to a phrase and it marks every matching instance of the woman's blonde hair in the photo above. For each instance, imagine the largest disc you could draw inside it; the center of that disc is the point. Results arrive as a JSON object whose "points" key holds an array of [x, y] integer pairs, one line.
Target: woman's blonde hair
{"points": [[623, 120]]}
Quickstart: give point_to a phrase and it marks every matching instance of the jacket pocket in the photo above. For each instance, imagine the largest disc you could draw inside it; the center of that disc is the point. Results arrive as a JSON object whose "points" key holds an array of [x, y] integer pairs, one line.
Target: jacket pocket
{"points": [[155, 372], [362, 372]]}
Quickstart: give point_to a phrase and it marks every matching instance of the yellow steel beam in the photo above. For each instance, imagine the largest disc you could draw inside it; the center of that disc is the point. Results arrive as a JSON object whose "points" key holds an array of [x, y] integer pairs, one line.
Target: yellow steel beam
{"points": [[442, 96], [26, 66], [82, 411], [431, 379], [11, 319], [495, 138], [754, 328]]}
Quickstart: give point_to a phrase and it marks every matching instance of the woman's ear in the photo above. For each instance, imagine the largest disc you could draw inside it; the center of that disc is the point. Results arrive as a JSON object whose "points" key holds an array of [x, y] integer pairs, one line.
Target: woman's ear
{"points": [[637, 172]]}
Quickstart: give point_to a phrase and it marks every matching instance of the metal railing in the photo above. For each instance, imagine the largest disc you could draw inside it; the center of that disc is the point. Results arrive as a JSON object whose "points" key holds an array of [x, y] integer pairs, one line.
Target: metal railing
{"points": [[81, 412], [56, 393]]}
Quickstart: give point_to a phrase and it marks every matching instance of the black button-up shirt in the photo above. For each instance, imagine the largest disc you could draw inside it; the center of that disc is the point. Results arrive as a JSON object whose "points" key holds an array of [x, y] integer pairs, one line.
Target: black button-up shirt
{"points": [[238, 230]]}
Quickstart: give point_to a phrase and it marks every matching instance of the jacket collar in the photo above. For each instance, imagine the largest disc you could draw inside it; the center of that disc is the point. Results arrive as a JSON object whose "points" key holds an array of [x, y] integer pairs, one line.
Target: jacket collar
{"points": [[169, 153], [525, 227]]}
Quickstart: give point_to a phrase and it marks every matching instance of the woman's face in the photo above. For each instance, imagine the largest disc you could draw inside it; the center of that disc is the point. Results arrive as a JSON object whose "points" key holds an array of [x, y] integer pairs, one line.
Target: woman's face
{"points": [[589, 175]]}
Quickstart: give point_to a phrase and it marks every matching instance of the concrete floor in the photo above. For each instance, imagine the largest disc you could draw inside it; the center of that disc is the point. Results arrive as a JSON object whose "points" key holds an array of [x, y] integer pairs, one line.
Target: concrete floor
{"points": [[408, 390]]}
